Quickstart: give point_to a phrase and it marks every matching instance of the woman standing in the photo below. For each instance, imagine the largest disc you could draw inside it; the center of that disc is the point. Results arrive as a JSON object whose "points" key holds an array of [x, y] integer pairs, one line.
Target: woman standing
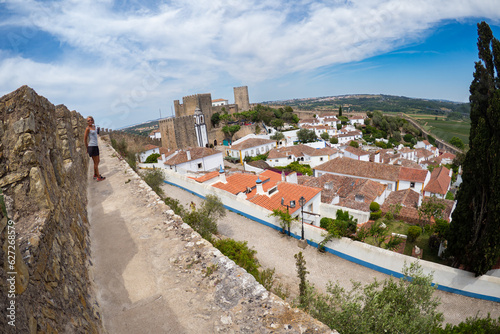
{"points": [[90, 139]]}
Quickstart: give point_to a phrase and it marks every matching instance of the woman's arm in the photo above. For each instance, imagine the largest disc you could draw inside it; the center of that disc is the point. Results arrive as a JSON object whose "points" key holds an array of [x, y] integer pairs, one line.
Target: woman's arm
{"points": [[86, 136]]}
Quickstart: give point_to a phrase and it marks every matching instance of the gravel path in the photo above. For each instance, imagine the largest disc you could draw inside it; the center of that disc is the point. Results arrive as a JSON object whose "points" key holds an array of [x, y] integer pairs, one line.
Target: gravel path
{"points": [[275, 250]]}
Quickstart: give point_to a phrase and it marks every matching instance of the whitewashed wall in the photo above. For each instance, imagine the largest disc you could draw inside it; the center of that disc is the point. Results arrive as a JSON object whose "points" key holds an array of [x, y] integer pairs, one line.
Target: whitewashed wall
{"points": [[330, 211]]}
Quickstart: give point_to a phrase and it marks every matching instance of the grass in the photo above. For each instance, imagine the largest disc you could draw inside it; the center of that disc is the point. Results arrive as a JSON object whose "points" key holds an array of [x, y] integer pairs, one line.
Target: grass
{"points": [[444, 129], [422, 241]]}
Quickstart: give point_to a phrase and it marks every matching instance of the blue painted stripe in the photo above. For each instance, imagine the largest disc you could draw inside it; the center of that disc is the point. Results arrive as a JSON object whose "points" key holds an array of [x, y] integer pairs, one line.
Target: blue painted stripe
{"points": [[348, 257]]}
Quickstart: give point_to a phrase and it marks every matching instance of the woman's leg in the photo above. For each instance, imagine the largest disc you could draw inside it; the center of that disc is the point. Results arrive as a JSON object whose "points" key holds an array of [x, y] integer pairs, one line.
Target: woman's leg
{"points": [[96, 165]]}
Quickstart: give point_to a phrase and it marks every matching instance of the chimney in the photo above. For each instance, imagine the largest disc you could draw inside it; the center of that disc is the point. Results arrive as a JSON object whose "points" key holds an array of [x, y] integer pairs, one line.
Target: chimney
{"points": [[222, 175], [188, 154], [259, 188], [283, 176]]}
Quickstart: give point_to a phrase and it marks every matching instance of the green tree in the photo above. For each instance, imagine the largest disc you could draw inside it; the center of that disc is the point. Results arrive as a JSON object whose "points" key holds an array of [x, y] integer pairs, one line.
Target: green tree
{"points": [[324, 136], [277, 123], [474, 235], [300, 263], [230, 130], [406, 305], [340, 111], [277, 136], [284, 217], [154, 179], [215, 119], [152, 158], [354, 143], [457, 142], [334, 140], [306, 135], [431, 207]]}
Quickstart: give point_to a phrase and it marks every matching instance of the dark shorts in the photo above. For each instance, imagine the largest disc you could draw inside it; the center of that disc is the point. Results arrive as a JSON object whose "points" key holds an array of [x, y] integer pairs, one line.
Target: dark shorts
{"points": [[93, 151]]}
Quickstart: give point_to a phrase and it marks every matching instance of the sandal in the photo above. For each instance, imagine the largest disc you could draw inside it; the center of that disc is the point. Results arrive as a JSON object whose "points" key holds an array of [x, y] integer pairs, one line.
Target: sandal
{"points": [[100, 178]]}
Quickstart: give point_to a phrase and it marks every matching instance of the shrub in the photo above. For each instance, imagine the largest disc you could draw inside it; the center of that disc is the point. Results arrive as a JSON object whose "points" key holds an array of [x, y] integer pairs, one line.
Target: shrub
{"points": [[475, 324], [374, 206], [239, 252], [413, 233], [324, 222], [334, 140], [175, 205], [131, 160], [154, 179], [375, 215], [152, 158], [434, 242]]}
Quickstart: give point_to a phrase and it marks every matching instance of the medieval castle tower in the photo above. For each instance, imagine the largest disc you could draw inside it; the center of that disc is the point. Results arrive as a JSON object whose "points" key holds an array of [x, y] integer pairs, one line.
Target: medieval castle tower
{"points": [[182, 130]]}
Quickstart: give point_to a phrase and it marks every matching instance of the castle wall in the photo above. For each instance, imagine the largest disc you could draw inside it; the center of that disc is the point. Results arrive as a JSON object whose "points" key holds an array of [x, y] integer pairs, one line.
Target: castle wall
{"points": [[189, 102], [241, 98], [178, 108], [43, 177], [185, 135], [167, 130]]}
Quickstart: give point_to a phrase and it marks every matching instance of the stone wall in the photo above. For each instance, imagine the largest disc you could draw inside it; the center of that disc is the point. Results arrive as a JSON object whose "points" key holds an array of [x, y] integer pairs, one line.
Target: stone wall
{"points": [[241, 98], [43, 177]]}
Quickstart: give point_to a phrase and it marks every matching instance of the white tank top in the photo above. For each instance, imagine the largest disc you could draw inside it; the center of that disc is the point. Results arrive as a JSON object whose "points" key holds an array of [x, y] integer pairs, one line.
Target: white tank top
{"points": [[93, 137]]}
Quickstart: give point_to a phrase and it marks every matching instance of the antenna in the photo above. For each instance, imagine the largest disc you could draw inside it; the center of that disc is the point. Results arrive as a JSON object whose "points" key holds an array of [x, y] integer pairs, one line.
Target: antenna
{"points": [[160, 112]]}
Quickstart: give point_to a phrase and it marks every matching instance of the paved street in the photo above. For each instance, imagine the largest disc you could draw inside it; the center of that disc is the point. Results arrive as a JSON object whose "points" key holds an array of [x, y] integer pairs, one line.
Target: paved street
{"points": [[276, 251]]}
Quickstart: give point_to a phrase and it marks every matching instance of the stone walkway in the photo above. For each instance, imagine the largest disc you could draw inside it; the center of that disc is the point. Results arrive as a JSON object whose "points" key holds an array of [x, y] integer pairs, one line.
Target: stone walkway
{"points": [[153, 274], [276, 251]]}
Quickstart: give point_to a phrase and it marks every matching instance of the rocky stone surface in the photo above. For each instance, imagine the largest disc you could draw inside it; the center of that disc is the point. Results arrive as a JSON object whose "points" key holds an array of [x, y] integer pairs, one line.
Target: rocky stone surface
{"points": [[43, 177]]}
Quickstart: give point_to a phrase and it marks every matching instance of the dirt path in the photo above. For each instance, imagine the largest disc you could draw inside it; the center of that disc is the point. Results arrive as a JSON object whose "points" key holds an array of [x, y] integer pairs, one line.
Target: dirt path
{"points": [[276, 251]]}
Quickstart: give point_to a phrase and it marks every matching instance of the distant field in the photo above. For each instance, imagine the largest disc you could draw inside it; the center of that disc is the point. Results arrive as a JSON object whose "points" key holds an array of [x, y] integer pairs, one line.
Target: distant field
{"points": [[447, 129]]}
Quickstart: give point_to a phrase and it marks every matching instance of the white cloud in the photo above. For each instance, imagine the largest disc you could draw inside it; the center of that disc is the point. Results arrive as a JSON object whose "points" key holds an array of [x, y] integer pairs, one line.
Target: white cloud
{"points": [[193, 44]]}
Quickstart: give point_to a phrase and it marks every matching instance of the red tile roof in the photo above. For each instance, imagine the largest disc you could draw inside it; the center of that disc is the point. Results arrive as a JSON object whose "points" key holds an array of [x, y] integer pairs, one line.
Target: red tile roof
{"points": [[149, 147], [251, 142], [353, 192], [206, 177], [219, 100], [413, 174], [356, 151], [238, 182], [287, 191], [359, 168], [323, 151], [439, 182], [296, 150]]}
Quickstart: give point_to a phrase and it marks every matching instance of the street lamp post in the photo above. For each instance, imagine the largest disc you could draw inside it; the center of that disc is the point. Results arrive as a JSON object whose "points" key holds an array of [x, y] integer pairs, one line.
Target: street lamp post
{"points": [[302, 202]]}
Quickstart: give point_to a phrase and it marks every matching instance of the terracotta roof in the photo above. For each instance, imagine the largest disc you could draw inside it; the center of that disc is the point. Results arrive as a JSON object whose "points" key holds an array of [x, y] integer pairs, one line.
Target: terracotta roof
{"points": [[149, 147], [323, 151], [196, 153], [287, 191], [295, 150], [423, 153], [317, 127], [353, 192], [426, 142], [439, 182], [251, 142], [405, 150], [407, 163], [413, 174], [356, 151], [219, 100], [206, 177], [166, 151], [259, 164], [359, 168], [356, 117], [407, 198], [238, 182], [308, 120]]}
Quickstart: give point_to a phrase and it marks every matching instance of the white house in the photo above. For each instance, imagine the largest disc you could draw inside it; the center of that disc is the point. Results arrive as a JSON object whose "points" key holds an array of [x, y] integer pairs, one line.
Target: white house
{"points": [[439, 183], [302, 153], [155, 134], [197, 159], [356, 120], [147, 151], [250, 148], [356, 153], [219, 102], [413, 178]]}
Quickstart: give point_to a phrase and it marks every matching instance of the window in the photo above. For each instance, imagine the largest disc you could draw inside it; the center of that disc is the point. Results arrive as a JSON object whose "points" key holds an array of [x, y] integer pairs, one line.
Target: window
{"points": [[412, 184], [251, 152], [389, 186], [321, 159], [276, 160], [199, 165]]}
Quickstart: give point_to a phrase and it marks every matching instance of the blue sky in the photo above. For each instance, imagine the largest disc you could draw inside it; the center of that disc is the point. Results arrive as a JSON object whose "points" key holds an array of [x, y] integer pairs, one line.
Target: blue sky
{"points": [[123, 61]]}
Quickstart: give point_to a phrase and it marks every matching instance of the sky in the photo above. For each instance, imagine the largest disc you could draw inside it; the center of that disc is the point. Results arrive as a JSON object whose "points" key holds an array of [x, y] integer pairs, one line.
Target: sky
{"points": [[124, 62]]}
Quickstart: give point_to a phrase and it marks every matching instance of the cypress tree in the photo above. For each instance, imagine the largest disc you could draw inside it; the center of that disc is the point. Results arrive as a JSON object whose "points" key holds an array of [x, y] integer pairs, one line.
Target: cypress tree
{"points": [[474, 235]]}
